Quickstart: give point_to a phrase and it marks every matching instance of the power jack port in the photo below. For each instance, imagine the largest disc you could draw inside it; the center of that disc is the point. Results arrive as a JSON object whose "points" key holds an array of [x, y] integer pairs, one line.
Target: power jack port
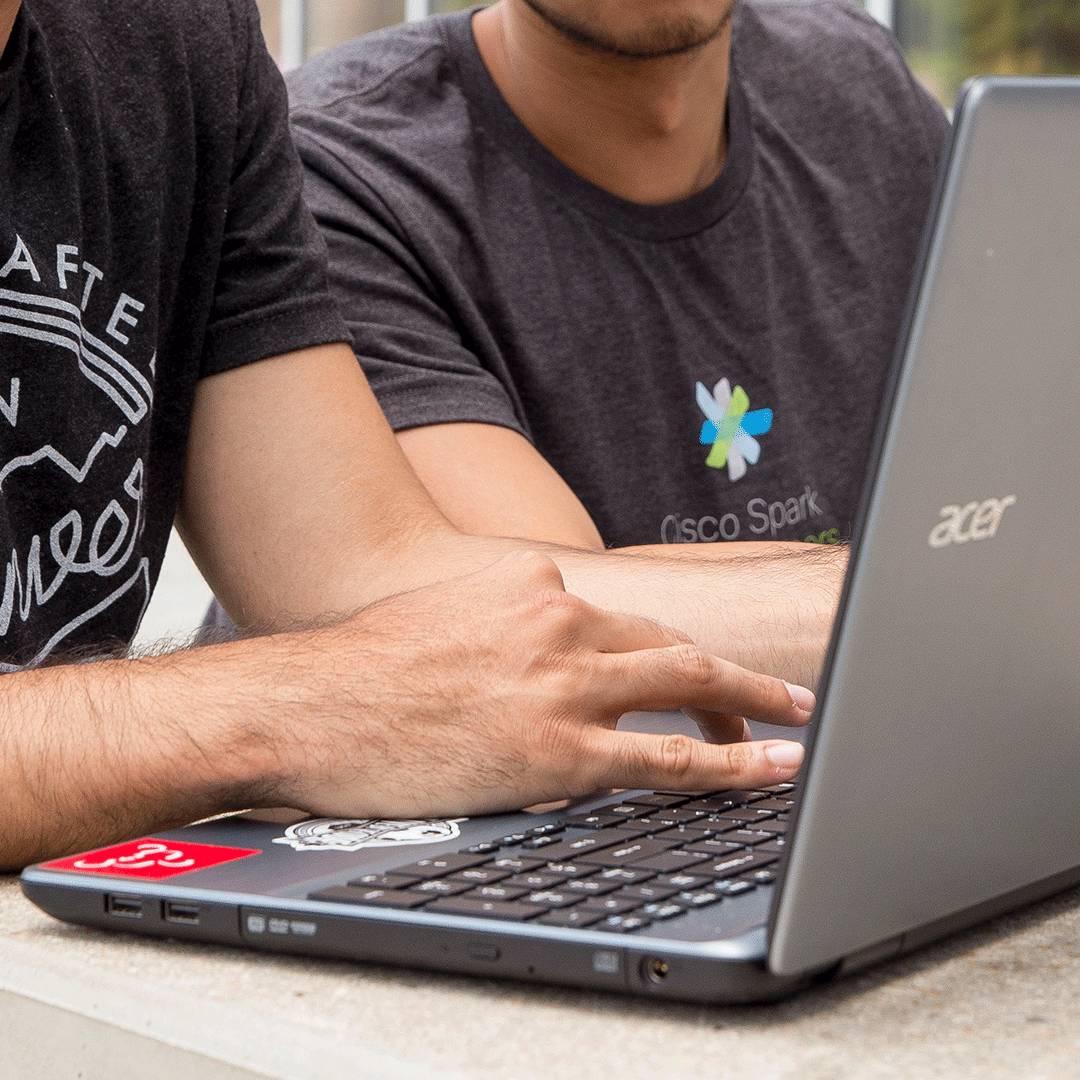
{"points": [[656, 970]]}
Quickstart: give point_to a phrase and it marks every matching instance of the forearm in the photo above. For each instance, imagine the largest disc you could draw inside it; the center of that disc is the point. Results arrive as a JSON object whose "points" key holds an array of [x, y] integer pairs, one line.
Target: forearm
{"points": [[769, 607], [97, 752]]}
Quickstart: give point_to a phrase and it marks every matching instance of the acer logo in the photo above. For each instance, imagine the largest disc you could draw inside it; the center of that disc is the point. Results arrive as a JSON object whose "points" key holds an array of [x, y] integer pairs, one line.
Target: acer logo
{"points": [[975, 521]]}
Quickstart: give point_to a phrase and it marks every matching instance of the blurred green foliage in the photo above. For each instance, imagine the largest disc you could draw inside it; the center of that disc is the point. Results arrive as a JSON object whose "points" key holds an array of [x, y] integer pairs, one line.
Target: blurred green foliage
{"points": [[947, 41], [439, 6]]}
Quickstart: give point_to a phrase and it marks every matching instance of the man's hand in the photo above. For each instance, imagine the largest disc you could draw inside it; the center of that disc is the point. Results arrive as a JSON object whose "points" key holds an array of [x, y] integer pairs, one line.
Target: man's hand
{"points": [[491, 692], [500, 690]]}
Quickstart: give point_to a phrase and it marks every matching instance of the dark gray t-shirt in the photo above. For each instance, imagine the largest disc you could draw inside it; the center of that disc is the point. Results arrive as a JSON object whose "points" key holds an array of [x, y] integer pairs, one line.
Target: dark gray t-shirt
{"points": [[704, 370], [152, 231]]}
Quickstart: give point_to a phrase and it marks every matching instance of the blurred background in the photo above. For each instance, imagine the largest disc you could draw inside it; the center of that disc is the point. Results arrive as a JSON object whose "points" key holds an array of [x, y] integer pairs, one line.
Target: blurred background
{"points": [[945, 40]]}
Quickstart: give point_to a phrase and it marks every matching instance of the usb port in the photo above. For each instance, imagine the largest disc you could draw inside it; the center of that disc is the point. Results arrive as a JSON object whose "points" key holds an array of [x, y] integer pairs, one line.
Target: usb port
{"points": [[177, 912], [125, 907]]}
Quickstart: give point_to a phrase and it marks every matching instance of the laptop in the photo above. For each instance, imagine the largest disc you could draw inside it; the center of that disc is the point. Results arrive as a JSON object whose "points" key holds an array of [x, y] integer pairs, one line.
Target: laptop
{"points": [[941, 780]]}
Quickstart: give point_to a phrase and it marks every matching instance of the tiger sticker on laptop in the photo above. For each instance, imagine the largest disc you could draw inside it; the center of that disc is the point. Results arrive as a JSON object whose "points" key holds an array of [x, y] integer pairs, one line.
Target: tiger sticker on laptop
{"points": [[337, 834]]}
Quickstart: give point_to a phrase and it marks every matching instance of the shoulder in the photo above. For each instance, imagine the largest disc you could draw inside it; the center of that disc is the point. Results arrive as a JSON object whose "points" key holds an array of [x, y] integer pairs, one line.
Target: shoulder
{"points": [[820, 65], [803, 22], [156, 25], [398, 63], [388, 112], [148, 44], [808, 45]]}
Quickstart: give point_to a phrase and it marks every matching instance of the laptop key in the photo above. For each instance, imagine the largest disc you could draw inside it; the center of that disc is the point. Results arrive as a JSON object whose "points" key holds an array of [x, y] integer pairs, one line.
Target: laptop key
{"points": [[514, 911], [775, 804], [668, 909], [591, 886], [623, 924], [715, 805], [738, 864], [574, 916], [619, 854], [684, 830], [596, 820], [441, 887], [733, 887], [535, 842], [624, 875], [677, 815], [389, 898], [610, 905], [548, 829], [699, 899], [554, 898], [659, 798], [687, 831], [502, 891], [384, 881], [536, 879], [777, 826], [776, 846], [670, 862], [629, 810], [647, 893], [683, 880], [489, 847], [570, 869], [745, 814], [567, 850], [479, 875], [748, 837], [760, 877], [717, 845], [517, 864], [441, 865], [727, 800]]}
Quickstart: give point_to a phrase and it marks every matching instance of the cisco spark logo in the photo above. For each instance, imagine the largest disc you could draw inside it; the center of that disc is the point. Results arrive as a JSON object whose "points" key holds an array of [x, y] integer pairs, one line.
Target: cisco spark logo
{"points": [[730, 428]]}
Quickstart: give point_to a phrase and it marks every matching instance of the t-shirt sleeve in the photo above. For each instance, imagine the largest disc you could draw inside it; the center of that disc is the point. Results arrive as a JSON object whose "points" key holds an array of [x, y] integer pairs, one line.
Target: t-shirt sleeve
{"points": [[395, 285], [271, 294]]}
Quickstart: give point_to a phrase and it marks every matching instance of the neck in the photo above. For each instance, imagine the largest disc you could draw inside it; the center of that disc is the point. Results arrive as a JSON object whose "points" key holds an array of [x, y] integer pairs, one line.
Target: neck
{"points": [[8, 10], [650, 130]]}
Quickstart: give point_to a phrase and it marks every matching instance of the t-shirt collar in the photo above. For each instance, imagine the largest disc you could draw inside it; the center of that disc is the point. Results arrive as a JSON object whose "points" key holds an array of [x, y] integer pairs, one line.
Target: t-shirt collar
{"points": [[668, 222]]}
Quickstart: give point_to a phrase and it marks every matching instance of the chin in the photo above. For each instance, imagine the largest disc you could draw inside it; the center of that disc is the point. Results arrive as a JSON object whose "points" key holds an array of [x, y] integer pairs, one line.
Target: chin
{"points": [[643, 29]]}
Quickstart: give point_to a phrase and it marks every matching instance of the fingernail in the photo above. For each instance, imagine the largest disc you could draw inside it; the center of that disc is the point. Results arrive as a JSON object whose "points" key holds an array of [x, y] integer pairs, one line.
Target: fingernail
{"points": [[801, 698], [784, 755]]}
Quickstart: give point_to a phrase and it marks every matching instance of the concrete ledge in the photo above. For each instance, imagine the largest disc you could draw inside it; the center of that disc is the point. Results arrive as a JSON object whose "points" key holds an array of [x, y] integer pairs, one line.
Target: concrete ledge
{"points": [[998, 1001]]}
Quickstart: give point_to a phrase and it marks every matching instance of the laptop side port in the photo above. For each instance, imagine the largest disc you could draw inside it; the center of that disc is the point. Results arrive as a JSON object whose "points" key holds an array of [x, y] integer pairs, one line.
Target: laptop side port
{"points": [[124, 907], [655, 969], [177, 911]]}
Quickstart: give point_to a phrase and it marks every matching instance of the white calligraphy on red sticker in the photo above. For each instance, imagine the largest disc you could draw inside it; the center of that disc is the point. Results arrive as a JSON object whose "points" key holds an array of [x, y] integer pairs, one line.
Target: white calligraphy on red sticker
{"points": [[151, 859]]}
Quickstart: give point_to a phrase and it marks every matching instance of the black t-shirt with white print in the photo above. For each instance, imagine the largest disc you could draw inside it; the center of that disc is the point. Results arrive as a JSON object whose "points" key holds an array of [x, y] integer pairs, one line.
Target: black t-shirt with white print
{"points": [[151, 232]]}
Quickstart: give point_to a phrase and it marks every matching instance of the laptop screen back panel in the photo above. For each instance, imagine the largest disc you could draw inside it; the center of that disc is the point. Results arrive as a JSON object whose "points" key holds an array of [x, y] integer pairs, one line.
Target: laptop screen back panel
{"points": [[946, 763]]}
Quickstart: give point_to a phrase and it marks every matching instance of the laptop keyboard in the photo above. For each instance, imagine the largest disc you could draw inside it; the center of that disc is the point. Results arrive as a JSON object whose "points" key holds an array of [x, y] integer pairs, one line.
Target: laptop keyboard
{"points": [[620, 868]]}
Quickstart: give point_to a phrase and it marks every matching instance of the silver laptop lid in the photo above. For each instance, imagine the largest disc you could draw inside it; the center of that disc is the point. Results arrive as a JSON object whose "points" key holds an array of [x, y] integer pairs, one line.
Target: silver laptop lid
{"points": [[946, 764]]}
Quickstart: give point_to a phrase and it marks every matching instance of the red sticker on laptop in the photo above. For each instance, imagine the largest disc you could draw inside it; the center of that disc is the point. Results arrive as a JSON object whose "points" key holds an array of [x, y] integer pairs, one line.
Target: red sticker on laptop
{"points": [[151, 859]]}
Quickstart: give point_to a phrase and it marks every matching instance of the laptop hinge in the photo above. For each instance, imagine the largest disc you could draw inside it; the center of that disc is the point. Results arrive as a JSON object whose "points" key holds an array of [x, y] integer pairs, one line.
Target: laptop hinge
{"points": [[872, 954]]}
